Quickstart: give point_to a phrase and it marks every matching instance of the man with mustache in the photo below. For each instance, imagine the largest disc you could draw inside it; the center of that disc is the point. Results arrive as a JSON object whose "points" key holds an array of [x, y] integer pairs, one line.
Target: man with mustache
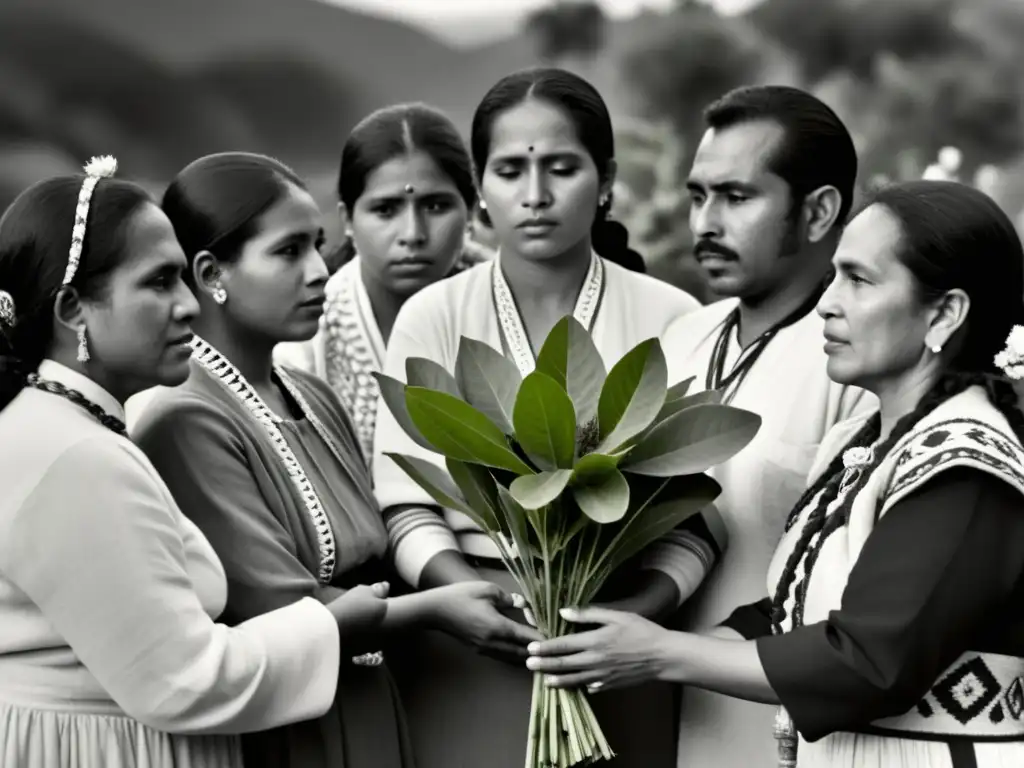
{"points": [[771, 186]]}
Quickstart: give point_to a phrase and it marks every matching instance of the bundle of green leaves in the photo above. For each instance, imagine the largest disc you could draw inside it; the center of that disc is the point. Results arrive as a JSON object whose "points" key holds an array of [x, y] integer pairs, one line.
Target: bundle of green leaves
{"points": [[571, 471]]}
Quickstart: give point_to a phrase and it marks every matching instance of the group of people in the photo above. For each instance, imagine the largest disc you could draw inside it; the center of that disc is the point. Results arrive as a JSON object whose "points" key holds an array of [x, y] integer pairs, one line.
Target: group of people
{"points": [[207, 559]]}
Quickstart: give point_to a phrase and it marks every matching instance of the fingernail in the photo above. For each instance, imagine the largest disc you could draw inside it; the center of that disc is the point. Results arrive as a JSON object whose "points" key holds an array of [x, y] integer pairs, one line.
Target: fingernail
{"points": [[533, 647], [568, 613], [518, 601], [550, 680], [532, 663]]}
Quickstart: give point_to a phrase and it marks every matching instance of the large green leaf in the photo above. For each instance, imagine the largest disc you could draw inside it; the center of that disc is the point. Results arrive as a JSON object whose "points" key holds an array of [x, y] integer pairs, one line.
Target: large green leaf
{"points": [[536, 491], [713, 396], [679, 499], [480, 492], [570, 357], [545, 422], [593, 465], [435, 481], [632, 395], [692, 441], [422, 372], [604, 498], [460, 431], [488, 381], [679, 389], [393, 392]]}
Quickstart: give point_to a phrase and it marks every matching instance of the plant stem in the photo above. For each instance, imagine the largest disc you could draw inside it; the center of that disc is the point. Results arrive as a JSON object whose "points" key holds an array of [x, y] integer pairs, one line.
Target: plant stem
{"points": [[531, 744]]}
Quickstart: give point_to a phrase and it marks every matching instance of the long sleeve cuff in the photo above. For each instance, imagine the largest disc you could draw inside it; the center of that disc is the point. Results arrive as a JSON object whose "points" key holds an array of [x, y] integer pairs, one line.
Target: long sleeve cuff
{"points": [[417, 535], [303, 656], [687, 554]]}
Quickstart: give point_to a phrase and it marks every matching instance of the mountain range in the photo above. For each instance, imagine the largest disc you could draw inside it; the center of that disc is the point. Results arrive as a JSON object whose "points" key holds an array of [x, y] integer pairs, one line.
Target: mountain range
{"points": [[163, 81]]}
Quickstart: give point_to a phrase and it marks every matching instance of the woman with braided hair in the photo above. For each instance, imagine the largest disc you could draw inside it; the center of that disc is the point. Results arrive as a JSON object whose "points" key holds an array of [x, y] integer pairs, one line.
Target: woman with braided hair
{"points": [[893, 633]]}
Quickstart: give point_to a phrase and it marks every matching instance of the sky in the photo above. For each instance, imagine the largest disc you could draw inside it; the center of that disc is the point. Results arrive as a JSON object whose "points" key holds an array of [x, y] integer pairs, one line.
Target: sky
{"points": [[470, 22]]}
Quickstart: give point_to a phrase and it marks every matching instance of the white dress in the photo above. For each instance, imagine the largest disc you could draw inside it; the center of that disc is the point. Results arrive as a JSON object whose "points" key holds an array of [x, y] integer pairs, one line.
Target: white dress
{"points": [[109, 654]]}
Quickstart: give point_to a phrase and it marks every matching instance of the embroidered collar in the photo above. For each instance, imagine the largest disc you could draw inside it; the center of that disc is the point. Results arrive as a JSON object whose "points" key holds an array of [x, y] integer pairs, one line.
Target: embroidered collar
{"points": [[51, 370], [367, 320], [223, 371], [513, 333]]}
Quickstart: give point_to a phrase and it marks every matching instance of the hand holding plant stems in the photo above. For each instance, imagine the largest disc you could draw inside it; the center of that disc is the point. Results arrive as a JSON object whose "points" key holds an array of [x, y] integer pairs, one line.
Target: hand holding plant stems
{"points": [[571, 471]]}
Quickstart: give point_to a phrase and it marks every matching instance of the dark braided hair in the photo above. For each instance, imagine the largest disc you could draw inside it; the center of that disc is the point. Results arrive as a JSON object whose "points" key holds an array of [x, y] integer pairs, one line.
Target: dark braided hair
{"points": [[945, 228]]}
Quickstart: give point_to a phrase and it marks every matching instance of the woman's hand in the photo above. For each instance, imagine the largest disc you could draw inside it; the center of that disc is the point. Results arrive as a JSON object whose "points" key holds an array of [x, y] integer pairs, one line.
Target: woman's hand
{"points": [[624, 650], [472, 611], [360, 613]]}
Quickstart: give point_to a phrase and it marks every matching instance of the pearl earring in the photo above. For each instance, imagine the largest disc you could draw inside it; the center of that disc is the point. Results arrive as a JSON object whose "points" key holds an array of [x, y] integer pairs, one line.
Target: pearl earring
{"points": [[83, 345], [219, 294], [483, 204], [935, 348]]}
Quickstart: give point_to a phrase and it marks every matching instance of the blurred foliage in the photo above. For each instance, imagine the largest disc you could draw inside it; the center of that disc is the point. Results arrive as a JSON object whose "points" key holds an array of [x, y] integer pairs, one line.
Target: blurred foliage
{"points": [[567, 28], [907, 77], [162, 83]]}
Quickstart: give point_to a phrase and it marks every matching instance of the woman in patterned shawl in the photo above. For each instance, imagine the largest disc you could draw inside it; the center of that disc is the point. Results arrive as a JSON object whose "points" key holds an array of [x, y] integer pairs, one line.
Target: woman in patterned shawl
{"points": [[893, 633], [404, 189]]}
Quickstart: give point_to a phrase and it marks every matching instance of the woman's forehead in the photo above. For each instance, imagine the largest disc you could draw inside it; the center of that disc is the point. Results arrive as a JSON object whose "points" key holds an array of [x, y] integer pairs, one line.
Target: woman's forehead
{"points": [[871, 239], [533, 127], [295, 211], [417, 170], [150, 239]]}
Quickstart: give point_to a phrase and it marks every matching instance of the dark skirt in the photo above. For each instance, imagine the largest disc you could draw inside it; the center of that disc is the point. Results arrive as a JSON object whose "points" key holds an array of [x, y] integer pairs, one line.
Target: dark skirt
{"points": [[465, 710], [364, 728]]}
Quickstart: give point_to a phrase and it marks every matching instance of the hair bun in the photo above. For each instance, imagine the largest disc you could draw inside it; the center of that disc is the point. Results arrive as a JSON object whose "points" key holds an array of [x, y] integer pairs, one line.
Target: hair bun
{"points": [[611, 241]]}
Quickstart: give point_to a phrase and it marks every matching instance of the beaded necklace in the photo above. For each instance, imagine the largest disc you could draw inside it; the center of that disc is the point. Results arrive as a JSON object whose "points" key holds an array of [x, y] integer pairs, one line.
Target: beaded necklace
{"points": [[716, 378], [112, 423]]}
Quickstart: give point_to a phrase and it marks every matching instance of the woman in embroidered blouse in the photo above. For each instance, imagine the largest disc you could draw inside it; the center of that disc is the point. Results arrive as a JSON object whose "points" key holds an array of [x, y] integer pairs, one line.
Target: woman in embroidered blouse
{"points": [[267, 463], [893, 634], [405, 187], [109, 654], [543, 151]]}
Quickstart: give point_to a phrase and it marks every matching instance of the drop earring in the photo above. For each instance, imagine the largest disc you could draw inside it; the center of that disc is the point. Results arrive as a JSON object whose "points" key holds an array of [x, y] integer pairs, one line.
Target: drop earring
{"points": [[83, 345], [219, 294]]}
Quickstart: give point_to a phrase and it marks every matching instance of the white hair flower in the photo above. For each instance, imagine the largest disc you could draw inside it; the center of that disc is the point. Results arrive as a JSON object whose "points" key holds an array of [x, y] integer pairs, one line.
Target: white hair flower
{"points": [[8, 313], [102, 167], [857, 457], [1011, 359]]}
